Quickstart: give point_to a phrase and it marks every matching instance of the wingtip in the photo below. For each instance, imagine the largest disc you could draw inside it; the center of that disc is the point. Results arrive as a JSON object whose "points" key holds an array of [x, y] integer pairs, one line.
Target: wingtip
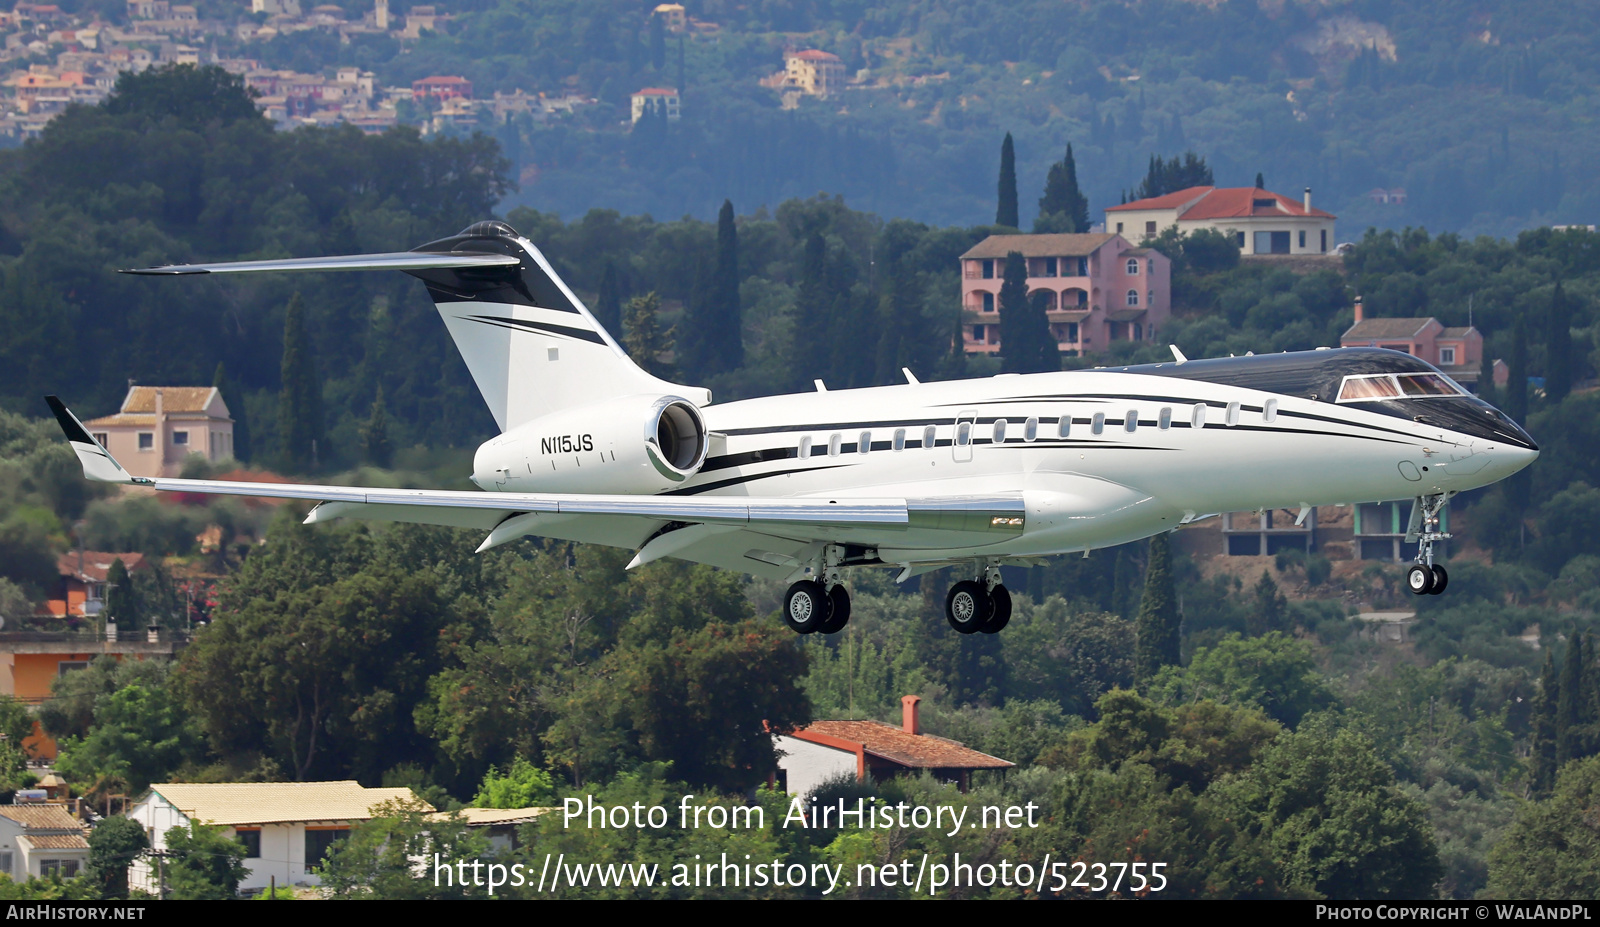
{"points": [[67, 421]]}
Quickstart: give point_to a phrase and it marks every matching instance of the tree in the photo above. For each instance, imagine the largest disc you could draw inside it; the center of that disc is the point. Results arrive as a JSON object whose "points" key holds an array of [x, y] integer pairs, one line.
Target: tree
{"points": [[190, 94], [658, 42], [1017, 351], [375, 446], [1517, 373], [814, 300], [1270, 606], [1210, 251], [524, 785], [378, 859], [1552, 848], [300, 403], [203, 863], [608, 303], [235, 403], [1063, 208], [1261, 183], [121, 598], [1273, 672], [1163, 177], [643, 338], [1543, 722], [1558, 347], [714, 341], [114, 844], [1158, 623], [140, 735], [1572, 704], [1006, 212]]}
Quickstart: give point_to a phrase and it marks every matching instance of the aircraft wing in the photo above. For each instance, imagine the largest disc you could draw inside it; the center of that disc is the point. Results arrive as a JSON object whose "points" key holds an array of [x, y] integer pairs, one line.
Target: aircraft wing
{"points": [[400, 260]]}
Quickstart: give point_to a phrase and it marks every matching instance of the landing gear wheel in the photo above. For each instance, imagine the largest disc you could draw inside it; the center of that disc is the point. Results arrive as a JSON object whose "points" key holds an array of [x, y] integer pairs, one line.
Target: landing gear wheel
{"points": [[1001, 616], [839, 601], [1419, 579], [968, 606], [806, 607], [1441, 579]]}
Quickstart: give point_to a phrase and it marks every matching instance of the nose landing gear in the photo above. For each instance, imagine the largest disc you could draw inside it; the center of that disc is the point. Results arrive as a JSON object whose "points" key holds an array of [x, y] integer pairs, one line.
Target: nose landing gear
{"points": [[979, 606], [1426, 577]]}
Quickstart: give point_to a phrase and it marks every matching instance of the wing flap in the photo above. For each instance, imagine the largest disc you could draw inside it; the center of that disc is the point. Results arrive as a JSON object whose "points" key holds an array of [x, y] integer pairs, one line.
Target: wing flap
{"points": [[399, 260]]}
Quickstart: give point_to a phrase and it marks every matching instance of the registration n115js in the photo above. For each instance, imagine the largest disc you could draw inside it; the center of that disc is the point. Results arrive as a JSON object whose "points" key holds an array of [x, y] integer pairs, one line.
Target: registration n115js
{"points": [[979, 474]]}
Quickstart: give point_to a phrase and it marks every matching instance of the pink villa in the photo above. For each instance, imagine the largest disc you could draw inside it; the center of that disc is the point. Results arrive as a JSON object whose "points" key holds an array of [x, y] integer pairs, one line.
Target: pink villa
{"points": [[158, 427], [1456, 351], [1098, 289]]}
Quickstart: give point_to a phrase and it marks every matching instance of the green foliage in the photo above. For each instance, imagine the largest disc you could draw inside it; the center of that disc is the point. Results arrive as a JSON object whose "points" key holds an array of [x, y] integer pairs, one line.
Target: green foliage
{"points": [[1063, 208], [524, 785], [713, 340], [645, 339], [138, 736], [300, 406], [1552, 848], [1273, 672], [203, 863], [378, 859], [1163, 177], [1006, 210], [187, 94], [114, 844], [1068, 655], [376, 449], [1159, 622]]}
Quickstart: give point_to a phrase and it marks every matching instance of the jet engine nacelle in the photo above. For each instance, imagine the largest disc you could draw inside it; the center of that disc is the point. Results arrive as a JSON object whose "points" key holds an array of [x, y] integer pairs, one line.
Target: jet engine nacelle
{"points": [[634, 444]]}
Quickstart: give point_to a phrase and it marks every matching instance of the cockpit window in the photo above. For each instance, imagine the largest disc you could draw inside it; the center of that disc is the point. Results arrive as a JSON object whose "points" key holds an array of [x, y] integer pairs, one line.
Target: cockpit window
{"points": [[1368, 387]]}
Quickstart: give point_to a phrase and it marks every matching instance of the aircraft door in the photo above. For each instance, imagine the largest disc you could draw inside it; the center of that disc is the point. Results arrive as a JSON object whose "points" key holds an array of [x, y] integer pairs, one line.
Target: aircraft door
{"points": [[965, 431]]}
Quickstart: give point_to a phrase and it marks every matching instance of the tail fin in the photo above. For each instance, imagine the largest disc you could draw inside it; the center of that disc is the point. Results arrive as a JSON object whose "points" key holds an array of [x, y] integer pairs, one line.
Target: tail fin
{"points": [[530, 343]]}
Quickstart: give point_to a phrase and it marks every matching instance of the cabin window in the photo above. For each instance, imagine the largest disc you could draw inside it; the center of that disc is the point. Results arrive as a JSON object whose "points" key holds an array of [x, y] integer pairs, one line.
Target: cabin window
{"points": [[1000, 430], [147, 440], [864, 442], [1269, 411], [805, 448], [963, 434], [1097, 425], [1164, 421], [1064, 425], [1197, 418], [1232, 417], [1130, 421], [899, 439], [929, 434], [835, 444], [1030, 429], [1133, 267]]}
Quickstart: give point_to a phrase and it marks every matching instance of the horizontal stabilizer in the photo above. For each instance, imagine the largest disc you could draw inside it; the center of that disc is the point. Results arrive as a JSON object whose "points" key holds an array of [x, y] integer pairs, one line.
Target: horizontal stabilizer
{"points": [[399, 260]]}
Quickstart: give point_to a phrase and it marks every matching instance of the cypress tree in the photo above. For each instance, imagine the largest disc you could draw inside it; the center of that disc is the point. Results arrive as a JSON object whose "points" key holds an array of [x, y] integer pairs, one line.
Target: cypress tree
{"points": [[1014, 346], [608, 303], [1261, 183], [300, 403], [643, 338], [1517, 373], [1543, 746], [1558, 351], [658, 42], [1063, 208], [1158, 624], [1006, 213], [1047, 351], [725, 293], [375, 445], [1570, 704], [120, 602], [1269, 606], [813, 301], [235, 404]]}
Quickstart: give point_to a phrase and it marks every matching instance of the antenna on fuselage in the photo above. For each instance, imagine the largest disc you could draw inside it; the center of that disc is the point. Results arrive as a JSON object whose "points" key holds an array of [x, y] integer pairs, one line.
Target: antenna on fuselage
{"points": [[1177, 354]]}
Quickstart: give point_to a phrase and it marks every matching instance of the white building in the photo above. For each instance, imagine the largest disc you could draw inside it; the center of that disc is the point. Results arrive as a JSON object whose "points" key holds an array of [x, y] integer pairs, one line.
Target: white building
{"points": [[1259, 221], [286, 827], [664, 99], [37, 840]]}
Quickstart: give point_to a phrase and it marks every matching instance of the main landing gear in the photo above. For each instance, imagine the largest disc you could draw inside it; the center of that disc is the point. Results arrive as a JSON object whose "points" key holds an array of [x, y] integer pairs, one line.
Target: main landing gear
{"points": [[1426, 577], [819, 606], [979, 606]]}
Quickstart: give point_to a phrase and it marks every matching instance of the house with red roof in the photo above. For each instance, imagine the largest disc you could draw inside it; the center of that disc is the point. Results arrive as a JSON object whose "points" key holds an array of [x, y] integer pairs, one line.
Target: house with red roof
{"points": [[442, 87], [1259, 221], [657, 100], [158, 427], [824, 750]]}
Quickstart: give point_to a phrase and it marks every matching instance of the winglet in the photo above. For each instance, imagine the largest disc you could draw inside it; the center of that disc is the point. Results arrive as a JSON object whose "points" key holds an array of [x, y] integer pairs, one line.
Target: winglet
{"points": [[1177, 355], [97, 462]]}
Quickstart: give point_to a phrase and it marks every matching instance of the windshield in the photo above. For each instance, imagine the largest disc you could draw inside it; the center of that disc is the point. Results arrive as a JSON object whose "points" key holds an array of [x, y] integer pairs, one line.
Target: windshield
{"points": [[1368, 387]]}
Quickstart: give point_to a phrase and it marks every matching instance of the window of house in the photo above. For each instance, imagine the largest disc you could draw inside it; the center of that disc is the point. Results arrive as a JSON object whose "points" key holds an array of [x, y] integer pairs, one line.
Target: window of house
{"points": [[977, 334], [930, 435], [1064, 425], [101, 438], [1133, 297], [1049, 267], [1130, 421], [1197, 418], [1302, 238], [988, 302], [899, 439], [864, 442], [1150, 228], [1231, 417], [180, 438], [1072, 332], [147, 440], [1238, 239], [251, 839], [1164, 421], [1269, 411], [5, 862], [1000, 430], [1097, 425], [1030, 429], [1119, 228], [1083, 267], [1138, 331], [320, 841], [66, 868], [805, 448], [1149, 265], [1133, 267], [988, 269], [66, 666], [1447, 356], [1324, 241], [835, 444]]}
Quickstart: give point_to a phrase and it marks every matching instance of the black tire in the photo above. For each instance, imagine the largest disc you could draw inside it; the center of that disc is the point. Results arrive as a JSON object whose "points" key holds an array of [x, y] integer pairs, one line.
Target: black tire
{"points": [[1419, 579], [806, 607], [968, 606], [1441, 579], [839, 601], [1001, 615]]}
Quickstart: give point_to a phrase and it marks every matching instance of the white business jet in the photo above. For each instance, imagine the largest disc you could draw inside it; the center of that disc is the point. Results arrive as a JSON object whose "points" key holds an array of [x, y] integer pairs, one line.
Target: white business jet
{"points": [[971, 473]]}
